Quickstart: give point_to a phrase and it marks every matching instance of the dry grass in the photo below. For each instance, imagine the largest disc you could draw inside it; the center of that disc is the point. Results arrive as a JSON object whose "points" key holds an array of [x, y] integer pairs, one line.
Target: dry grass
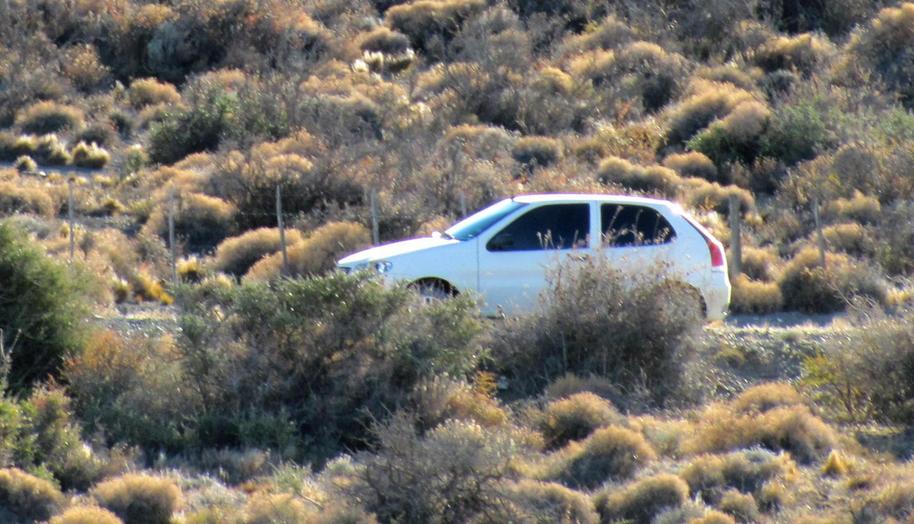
{"points": [[49, 117], [692, 164], [642, 500], [27, 497], [656, 179], [139, 499], [236, 255], [755, 297], [610, 453], [86, 515], [317, 253]]}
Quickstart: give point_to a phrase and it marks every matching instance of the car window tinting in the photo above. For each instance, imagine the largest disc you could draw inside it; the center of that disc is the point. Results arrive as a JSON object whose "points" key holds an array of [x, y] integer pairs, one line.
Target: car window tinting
{"points": [[473, 225], [558, 226], [629, 225]]}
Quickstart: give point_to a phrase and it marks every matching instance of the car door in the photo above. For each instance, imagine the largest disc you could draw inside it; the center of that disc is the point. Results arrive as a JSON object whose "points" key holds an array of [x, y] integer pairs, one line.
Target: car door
{"points": [[514, 260], [636, 237]]}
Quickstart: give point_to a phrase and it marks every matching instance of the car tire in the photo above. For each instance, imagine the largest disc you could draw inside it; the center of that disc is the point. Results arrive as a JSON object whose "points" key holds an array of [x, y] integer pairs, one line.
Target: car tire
{"points": [[432, 291]]}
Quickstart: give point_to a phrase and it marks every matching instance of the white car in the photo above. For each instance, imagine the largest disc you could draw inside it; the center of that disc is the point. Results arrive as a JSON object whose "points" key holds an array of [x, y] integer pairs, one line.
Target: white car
{"points": [[503, 252]]}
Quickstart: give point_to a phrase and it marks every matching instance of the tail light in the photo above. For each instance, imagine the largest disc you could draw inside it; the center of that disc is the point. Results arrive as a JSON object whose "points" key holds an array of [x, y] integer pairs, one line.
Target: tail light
{"points": [[714, 247]]}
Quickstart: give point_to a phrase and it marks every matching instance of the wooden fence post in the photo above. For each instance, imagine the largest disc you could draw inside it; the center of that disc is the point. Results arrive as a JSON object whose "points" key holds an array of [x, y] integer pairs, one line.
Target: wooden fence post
{"points": [[375, 229], [71, 217], [171, 238], [736, 239], [820, 237], [282, 231]]}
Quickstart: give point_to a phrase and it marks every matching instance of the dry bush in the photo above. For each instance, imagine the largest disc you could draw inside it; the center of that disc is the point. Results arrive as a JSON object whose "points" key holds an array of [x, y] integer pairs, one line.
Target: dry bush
{"points": [[455, 473], [89, 155], [642, 500], [759, 263], [83, 67], [749, 471], [655, 179], [383, 40], [793, 428], [802, 53], [860, 208], [741, 506], [23, 496], [86, 515], [806, 286], [765, 397], [537, 151], [443, 398], [610, 453], [431, 24], [139, 499], [737, 137], [25, 164], [709, 102], [633, 329], [611, 33], [850, 238], [49, 150], [317, 253], [15, 198], [877, 47], [575, 418], [755, 297], [49, 117], [201, 221], [549, 503], [149, 91], [570, 384], [730, 74], [700, 194], [270, 508], [692, 164], [896, 500], [236, 255]]}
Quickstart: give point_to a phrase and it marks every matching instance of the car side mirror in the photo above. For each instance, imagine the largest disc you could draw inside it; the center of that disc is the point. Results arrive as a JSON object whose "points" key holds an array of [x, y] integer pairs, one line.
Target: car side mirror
{"points": [[501, 242]]}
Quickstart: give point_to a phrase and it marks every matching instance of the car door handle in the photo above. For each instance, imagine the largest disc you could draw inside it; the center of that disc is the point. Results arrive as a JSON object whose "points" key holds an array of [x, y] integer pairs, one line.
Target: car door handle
{"points": [[579, 258]]}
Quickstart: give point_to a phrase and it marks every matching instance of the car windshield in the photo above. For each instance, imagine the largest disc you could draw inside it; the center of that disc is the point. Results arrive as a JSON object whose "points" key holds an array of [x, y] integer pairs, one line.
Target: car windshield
{"points": [[473, 225]]}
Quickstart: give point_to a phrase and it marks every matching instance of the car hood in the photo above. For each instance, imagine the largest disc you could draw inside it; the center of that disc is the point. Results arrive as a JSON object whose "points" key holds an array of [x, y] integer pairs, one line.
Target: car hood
{"points": [[388, 251]]}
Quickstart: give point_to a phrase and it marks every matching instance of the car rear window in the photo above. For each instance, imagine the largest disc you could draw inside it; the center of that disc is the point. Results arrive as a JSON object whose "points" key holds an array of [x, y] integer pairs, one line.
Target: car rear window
{"points": [[625, 225]]}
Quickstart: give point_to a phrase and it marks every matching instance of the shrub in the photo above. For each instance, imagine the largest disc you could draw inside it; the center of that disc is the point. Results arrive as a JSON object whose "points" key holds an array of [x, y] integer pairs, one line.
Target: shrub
{"points": [[149, 91], [570, 384], [790, 428], [341, 352], [236, 255], [443, 398], [101, 133], [431, 24], [610, 453], [759, 263], [41, 312], [611, 33], [701, 194], [198, 128], [861, 208], [642, 500], [797, 132], [699, 110], [802, 53], [82, 66], [692, 164], [537, 151], [383, 40], [634, 330], [49, 117], [866, 373], [887, 36], [27, 497], [86, 515], [736, 137], [710, 476], [806, 286], [90, 156], [547, 502], [741, 505], [200, 220], [315, 254], [614, 170], [454, 474], [266, 508], [25, 164], [850, 238], [139, 499], [764, 397], [575, 418], [755, 297], [49, 150]]}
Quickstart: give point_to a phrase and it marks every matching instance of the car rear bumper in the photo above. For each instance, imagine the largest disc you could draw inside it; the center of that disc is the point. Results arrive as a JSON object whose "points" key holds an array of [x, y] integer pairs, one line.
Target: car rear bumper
{"points": [[716, 294]]}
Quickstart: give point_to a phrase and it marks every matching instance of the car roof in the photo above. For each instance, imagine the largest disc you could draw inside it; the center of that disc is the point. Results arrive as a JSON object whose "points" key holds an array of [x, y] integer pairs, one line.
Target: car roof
{"points": [[595, 197]]}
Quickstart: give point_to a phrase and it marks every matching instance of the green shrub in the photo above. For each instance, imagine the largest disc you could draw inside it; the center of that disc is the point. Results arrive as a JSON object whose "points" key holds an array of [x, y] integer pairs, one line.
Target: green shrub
{"points": [[316, 253], [41, 310], [139, 499], [455, 473], [49, 117], [86, 515], [149, 91], [575, 418], [610, 453], [236, 255], [23, 496], [806, 286], [90, 156], [634, 330], [797, 132], [319, 358], [866, 374], [642, 500], [548, 502], [198, 128]]}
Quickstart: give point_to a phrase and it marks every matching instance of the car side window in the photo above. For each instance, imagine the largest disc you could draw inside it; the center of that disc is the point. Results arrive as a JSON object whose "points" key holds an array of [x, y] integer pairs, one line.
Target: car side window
{"points": [[557, 226], [630, 225]]}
